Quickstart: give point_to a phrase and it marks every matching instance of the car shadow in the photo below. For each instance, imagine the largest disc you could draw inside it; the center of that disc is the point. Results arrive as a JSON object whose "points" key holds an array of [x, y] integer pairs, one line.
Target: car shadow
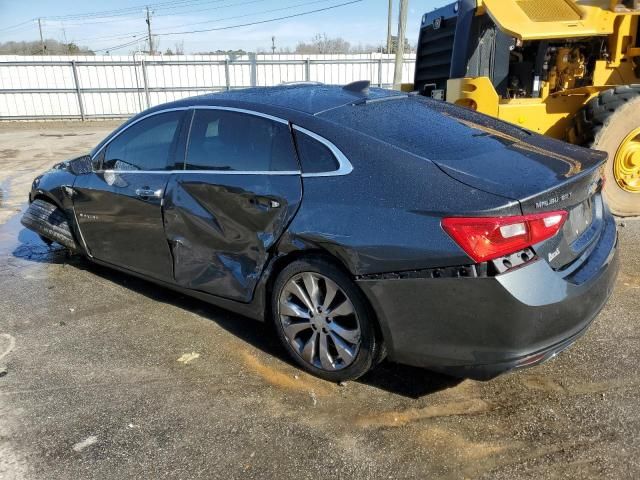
{"points": [[402, 380]]}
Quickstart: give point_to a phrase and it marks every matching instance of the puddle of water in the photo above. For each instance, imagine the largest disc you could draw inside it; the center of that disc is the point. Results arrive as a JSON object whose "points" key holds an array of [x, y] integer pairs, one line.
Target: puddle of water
{"points": [[4, 190], [19, 242]]}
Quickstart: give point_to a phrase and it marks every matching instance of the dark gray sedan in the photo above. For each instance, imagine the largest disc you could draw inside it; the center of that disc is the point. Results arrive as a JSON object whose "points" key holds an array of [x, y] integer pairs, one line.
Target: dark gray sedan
{"points": [[363, 223]]}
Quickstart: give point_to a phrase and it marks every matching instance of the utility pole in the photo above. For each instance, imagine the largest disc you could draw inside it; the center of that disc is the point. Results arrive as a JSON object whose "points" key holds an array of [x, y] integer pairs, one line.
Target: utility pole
{"points": [[42, 47], [389, 26], [149, 31], [402, 27]]}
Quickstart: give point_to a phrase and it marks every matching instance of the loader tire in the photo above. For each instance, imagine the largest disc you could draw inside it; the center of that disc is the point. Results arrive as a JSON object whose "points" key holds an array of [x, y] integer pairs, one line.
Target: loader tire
{"points": [[48, 221], [605, 123]]}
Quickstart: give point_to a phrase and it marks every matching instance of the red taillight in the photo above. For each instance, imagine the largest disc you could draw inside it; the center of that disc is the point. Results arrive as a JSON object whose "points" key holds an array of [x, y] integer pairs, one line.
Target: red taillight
{"points": [[486, 238]]}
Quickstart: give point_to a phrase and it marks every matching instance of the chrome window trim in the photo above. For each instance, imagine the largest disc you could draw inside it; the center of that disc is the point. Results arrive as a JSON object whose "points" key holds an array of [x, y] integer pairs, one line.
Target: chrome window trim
{"points": [[126, 127], [344, 165], [217, 172], [241, 110]]}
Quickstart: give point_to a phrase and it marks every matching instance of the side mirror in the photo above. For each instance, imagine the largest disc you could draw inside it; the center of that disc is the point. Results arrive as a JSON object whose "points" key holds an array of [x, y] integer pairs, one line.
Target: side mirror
{"points": [[96, 162], [80, 165]]}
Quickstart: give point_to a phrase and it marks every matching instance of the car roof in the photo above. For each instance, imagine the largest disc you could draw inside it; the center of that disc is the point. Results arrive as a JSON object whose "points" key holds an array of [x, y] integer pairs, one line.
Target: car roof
{"points": [[309, 98]]}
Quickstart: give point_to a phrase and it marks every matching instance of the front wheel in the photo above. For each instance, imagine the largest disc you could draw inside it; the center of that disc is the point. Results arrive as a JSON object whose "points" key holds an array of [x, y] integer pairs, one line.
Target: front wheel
{"points": [[323, 321]]}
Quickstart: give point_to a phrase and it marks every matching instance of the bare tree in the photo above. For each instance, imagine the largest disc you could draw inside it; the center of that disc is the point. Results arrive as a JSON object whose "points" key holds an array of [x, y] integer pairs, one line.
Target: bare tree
{"points": [[322, 44], [53, 47]]}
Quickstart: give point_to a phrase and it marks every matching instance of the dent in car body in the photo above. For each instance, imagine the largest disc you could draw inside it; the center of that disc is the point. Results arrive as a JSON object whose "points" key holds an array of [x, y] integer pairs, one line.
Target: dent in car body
{"points": [[56, 186], [221, 227]]}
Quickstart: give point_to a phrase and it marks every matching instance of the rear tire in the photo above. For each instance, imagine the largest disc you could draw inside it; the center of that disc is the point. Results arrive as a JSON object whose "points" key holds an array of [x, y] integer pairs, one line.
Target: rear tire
{"points": [[319, 319], [48, 221], [604, 124]]}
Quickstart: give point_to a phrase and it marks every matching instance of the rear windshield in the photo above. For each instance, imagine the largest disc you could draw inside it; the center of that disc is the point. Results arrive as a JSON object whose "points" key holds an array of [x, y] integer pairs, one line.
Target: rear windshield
{"points": [[428, 128]]}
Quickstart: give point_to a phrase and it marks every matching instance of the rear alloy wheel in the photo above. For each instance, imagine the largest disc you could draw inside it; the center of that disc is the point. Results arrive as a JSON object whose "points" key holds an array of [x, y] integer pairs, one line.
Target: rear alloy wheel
{"points": [[323, 321]]}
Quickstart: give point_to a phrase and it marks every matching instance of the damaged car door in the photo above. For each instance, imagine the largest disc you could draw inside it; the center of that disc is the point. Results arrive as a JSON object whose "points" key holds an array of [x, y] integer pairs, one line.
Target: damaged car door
{"points": [[119, 204], [239, 189]]}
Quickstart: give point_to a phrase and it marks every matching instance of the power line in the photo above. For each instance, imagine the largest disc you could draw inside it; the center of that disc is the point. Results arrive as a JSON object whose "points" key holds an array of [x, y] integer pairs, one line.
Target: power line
{"points": [[134, 34], [179, 26], [303, 4], [117, 47], [184, 12], [123, 11], [115, 12], [11, 27], [156, 30], [129, 10], [206, 9], [111, 37], [228, 27], [309, 12], [262, 21]]}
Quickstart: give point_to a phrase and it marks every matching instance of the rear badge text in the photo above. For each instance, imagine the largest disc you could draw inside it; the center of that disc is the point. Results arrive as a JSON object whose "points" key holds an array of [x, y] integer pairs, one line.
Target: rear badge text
{"points": [[553, 201]]}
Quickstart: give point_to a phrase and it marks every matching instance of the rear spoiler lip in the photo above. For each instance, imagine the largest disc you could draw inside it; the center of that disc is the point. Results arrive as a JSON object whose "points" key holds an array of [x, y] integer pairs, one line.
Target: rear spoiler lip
{"points": [[581, 186]]}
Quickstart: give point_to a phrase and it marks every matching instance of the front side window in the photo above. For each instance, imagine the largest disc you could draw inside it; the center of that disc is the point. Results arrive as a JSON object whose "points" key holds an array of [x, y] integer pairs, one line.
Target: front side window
{"points": [[146, 145], [233, 141], [315, 157]]}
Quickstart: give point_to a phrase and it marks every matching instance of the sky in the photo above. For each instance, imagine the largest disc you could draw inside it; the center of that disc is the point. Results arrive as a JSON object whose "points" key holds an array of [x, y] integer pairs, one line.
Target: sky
{"points": [[363, 22]]}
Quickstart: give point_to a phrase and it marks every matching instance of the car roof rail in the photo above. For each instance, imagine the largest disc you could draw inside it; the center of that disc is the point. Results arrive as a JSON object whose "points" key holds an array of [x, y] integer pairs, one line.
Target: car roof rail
{"points": [[301, 82]]}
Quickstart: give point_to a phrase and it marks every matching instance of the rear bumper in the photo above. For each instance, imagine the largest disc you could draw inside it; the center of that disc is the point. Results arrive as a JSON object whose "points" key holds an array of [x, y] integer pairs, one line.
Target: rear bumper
{"points": [[481, 327]]}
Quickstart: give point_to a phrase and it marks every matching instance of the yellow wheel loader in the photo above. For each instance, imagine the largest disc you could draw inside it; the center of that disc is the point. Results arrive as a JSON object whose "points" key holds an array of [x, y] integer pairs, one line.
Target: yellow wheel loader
{"points": [[569, 69]]}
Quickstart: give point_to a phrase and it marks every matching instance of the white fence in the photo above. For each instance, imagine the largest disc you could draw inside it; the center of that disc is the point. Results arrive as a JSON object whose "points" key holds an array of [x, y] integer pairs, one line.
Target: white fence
{"points": [[83, 87]]}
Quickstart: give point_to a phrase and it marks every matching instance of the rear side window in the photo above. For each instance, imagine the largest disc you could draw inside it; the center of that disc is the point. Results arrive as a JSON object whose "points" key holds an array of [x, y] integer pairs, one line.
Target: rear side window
{"points": [[314, 156], [146, 145], [234, 141]]}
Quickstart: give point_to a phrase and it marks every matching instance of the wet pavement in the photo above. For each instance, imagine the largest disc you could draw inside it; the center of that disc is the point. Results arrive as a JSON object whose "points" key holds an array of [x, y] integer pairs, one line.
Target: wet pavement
{"points": [[106, 376]]}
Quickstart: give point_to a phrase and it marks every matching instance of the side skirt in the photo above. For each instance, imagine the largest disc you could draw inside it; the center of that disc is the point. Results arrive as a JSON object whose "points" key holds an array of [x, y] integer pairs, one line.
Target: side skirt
{"points": [[253, 310]]}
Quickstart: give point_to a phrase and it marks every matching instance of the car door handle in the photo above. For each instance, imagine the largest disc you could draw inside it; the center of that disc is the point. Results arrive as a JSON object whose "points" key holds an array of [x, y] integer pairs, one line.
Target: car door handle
{"points": [[265, 203], [148, 193]]}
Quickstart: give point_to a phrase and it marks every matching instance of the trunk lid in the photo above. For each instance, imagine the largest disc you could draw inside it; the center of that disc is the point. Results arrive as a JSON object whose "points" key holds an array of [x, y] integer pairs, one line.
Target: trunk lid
{"points": [[543, 175], [539, 172]]}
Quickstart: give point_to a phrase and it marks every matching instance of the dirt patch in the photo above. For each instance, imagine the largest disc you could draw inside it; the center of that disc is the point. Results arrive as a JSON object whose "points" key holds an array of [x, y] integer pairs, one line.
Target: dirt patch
{"points": [[603, 387], [629, 281], [303, 383], [536, 382], [473, 406], [458, 446], [8, 153], [61, 135]]}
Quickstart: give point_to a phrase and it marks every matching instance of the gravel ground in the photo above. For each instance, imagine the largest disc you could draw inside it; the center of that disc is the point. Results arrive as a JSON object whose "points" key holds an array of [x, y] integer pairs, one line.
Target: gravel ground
{"points": [[106, 376]]}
